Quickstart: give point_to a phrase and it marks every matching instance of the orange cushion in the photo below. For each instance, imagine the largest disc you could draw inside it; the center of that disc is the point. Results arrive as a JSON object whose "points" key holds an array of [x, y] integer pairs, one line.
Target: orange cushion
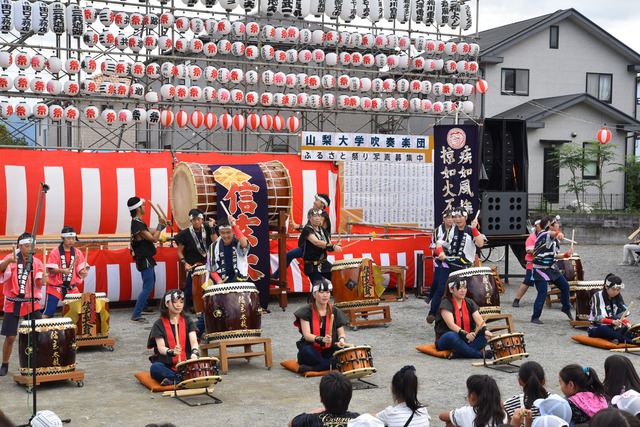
{"points": [[598, 342], [150, 383], [432, 350], [292, 365]]}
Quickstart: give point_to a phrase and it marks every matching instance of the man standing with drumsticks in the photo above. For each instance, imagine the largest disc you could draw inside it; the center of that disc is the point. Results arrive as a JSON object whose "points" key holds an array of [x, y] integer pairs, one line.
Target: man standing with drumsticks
{"points": [[193, 243], [143, 249]]}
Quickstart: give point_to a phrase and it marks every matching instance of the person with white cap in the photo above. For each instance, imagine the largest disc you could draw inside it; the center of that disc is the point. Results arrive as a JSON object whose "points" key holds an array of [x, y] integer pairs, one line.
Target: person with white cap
{"points": [[66, 268], [555, 405], [17, 293], [607, 311], [629, 401], [143, 249], [322, 328], [549, 421], [528, 277]]}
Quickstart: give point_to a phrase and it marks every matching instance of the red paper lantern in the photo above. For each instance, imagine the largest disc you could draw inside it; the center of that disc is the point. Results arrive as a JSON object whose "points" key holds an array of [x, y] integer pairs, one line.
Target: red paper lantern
{"points": [[239, 121], [226, 121], [253, 121], [293, 123], [197, 118], [210, 120], [604, 135], [278, 123], [166, 118], [182, 118], [482, 86], [266, 121]]}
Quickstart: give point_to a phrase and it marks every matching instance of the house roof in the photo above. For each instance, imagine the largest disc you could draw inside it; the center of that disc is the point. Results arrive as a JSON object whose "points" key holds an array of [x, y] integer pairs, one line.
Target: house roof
{"points": [[536, 110], [495, 40]]}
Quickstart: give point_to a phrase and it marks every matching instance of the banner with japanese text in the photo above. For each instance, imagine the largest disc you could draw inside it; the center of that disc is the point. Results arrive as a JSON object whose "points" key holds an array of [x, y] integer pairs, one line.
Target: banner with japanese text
{"points": [[456, 163], [243, 189]]}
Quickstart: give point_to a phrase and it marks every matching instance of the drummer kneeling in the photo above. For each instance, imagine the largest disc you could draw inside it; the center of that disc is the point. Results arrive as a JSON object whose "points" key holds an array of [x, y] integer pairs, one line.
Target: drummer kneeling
{"points": [[319, 340], [172, 337], [456, 321], [608, 312]]}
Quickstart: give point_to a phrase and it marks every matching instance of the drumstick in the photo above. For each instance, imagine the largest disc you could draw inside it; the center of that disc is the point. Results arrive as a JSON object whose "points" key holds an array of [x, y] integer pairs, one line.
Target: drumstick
{"points": [[573, 235], [329, 330], [225, 208], [634, 234], [477, 213], [164, 215], [570, 240], [625, 313], [178, 341], [13, 248], [44, 258], [155, 209], [353, 243], [480, 326], [86, 258], [348, 345]]}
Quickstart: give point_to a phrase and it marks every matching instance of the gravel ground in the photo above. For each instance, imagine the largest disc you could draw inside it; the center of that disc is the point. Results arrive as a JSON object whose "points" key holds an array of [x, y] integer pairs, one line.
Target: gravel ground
{"points": [[253, 395]]}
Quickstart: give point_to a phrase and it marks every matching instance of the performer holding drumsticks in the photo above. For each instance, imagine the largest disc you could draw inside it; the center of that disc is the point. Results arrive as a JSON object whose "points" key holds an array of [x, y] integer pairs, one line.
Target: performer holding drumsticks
{"points": [[608, 312], [172, 338], [227, 259], [193, 243], [315, 241], [321, 336], [67, 268]]}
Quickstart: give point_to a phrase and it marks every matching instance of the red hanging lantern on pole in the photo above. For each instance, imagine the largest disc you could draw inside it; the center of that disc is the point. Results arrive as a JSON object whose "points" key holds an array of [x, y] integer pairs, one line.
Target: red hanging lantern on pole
{"points": [[293, 123], [238, 122], [197, 119], [226, 121], [253, 121], [278, 123], [210, 120], [182, 118], [604, 136], [482, 86], [266, 121]]}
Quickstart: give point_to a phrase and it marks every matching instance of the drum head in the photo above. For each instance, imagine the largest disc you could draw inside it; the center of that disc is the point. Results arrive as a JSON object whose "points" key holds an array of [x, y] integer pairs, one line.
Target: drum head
{"points": [[212, 361], [182, 194], [359, 373], [503, 336], [200, 382]]}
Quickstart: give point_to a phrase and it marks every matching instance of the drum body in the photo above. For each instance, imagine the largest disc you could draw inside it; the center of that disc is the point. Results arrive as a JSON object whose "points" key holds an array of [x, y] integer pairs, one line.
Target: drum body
{"points": [[198, 278], [55, 340], [197, 373], [584, 293], [231, 311], [71, 299], [571, 268], [634, 333], [355, 362], [349, 290], [193, 185], [508, 347], [481, 287]]}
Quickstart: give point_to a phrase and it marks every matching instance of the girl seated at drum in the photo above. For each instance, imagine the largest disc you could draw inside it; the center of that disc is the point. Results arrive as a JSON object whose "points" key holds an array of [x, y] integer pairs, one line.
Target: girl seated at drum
{"points": [[315, 241], [173, 338], [607, 310], [456, 321], [317, 344]]}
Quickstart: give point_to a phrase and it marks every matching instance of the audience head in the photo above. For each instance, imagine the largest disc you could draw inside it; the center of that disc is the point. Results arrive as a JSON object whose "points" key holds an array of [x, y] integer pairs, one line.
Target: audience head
{"points": [[554, 405], [405, 387], [335, 392], [629, 401], [484, 395], [620, 375], [613, 417], [575, 378], [549, 421], [531, 378]]}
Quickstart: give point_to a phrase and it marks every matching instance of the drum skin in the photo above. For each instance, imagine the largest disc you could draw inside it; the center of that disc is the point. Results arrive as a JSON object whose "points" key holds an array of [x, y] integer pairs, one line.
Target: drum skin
{"points": [[345, 278], [197, 373], [571, 268], [584, 292], [55, 340], [508, 347], [231, 311], [355, 362], [99, 295], [481, 285]]}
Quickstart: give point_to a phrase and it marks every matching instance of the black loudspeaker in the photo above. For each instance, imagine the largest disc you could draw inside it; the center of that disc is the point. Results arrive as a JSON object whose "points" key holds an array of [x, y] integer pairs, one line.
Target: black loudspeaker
{"points": [[503, 213], [504, 155]]}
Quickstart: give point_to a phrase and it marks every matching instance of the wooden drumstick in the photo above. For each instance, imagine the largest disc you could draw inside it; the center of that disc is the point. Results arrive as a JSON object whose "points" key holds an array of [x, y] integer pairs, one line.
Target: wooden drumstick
{"points": [[571, 241], [634, 234], [348, 345], [13, 248], [353, 243], [625, 313], [225, 208], [477, 214], [86, 258], [480, 326], [573, 235], [329, 330], [164, 215], [178, 341], [155, 209]]}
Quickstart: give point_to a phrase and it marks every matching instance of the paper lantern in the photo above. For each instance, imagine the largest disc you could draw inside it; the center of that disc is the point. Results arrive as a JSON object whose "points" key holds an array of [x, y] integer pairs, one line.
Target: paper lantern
{"points": [[266, 99], [437, 88], [402, 85], [279, 79], [125, 116], [150, 42], [122, 42], [209, 94], [122, 69], [388, 85], [437, 107], [291, 81], [415, 105], [165, 43], [88, 87], [210, 120], [166, 118], [252, 29], [365, 103], [458, 89], [291, 56], [462, 66], [151, 21], [166, 20], [349, 11], [345, 58], [368, 60], [236, 76], [182, 71], [108, 67], [121, 20], [210, 49], [40, 111], [317, 37], [315, 101], [23, 111], [238, 29], [224, 96], [473, 67], [56, 113], [89, 65], [390, 104], [604, 135], [226, 121], [252, 52], [107, 39], [39, 18], [108, 116], [448, 106], [237, 48], [121, 90], [6, 59], [195, 93], [331, 59], [182, 118], [21, 83], [305, 36], [318, 56], [267, 52], [466, 18], [356, 59], [343, 101], [197, 25], [54, 87], [91, 113], [328, 100], [181, 44], [253, 121], [442, 12], [38, 85], [239, 122], [482, 86], [153, 70], [450, 66], [376, 104], [447, 89], [251, 98], [167, 69], [381, 60], [237, 96], [251, 77], [302, 99], [454, 14], [153, 116], [376, 85], [136, 91], [468, 89], [467, 107], [328, 81], [136, 20], [314, 82], [56, 18], [266, 121], [228, 5], [278, 123], [23, 60], [426, 106], [71, 88], [290, 100], [278, 99], [22, 12], [167, 91], [474, 49]]}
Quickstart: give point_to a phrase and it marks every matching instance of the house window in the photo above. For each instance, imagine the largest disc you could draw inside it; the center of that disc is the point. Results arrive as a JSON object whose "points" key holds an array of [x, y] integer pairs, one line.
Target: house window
{"points": [[515, 81], [599, 85], [591, 169], [553, 36]]}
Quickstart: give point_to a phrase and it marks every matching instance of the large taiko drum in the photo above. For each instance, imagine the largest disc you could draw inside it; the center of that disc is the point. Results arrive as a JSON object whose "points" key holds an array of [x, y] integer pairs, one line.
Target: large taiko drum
{"points": [[481, 287], [197, 373], [352, 281], [355, 362], [198, 278], [193, 185], [571, 268], [232, 311], [584, 293], [507, 348], [55, 340], [87, 314]]}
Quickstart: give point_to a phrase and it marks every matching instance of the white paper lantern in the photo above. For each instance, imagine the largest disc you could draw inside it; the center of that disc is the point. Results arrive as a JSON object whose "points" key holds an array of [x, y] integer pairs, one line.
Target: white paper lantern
{"points": [[376, 10], [209, 94], [388, 85], [331, 38], [305, 36], [450, 48], [122, 42], [365, 103], [328, 100], [368, 60], [165, 43], [39, 17], [54, 87], [447, 89], [91, 113], [90, 14], [474, 49], [153, 116], [349, 10], [468, 89], [89, 65], [402, 85], [318, 56], [121, 20], [40, 111], [315, 101], [90, 38], [150, 42], [281, 56], [317, 37], [302, 99], [228, 4], [70, 88], [426, 105], [252, 52], [467, 107], [292, 56], [376, 104], [121, 90], [343, 102], [448, 106], [466, 18], [462, 66], [56, 113], [328, 81], [442, 12], [107, 39], [151, 21], [197, 26], [454, 14], [279, 79], [415, 105], [56, 18], [251, 98], [356, 59], [167, 70], [345, 58], [291, 80], [267, 77], [153, 70], [108, 116], [38, 85], [252, 29], [21, 82], [224, 96], [381, 60], [450, 66], [182, 118], [6, 59], [166, 20], [458, 89], [168, 91], [166, 118], [237, 49], [437, 88], [237, 96], [136, 91], [106, 89], [473, 67], [122, 69], [88, 87], [437, 107], [22, 11], [181, 92], [403, 62], [139, 115], [314, 82], [181, 44], [331, 59], [266, 99], [267, 52], [376, 85], [23, 60], [71, 114]]}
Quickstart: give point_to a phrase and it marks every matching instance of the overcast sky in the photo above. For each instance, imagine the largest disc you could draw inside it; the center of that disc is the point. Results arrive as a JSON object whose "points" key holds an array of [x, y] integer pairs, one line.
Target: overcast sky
{"points": [[620, 18]]}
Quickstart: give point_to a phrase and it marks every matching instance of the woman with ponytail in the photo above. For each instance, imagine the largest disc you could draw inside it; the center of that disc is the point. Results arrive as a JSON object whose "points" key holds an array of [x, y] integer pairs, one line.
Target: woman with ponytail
{"points": [[408, 412], [586, 394], [484, 410], [520, 408]]}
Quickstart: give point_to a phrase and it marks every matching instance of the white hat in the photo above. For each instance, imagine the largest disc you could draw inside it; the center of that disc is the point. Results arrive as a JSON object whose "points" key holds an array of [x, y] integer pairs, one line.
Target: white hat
{"points": [[365, 420], [554, 405], [628, 401], [549, 421], [46, 419]]}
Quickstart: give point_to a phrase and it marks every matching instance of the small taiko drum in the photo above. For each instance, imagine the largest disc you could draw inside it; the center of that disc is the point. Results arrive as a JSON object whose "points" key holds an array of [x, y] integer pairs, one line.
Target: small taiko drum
{"points": [[584, 293], [634, 333], [232, 311], [198, 278], [571, 268], [353, 285], [355, 362], [55, 341], [507, 348], [481, 287], [193, 185], [197, 373], [91, 316]]}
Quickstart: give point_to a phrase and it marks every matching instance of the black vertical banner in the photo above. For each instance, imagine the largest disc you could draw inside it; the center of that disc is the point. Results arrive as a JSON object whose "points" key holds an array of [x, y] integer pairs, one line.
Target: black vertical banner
{"points": [[456, 160]]}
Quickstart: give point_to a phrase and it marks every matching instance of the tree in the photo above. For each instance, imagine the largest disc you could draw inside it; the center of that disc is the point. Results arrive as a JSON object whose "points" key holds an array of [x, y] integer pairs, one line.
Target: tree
{"points": [[631, 169], [6, 138], [603, 154], [571, 156]]}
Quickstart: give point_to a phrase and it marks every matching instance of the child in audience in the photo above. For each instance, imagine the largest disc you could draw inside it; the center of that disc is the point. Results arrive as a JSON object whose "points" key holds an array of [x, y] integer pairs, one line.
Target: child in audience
{"points": [[484, 410], [520, 407], [409, 411], [620, 375], [586, 394]]}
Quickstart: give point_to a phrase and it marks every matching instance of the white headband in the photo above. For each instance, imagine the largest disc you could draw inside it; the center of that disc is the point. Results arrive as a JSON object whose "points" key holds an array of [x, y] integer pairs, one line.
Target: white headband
{"points": [[25, 241], [170, 295], [221, 227], [323, 200], [457, 282], [70, 234], [196, 216], [137, 205], [317, 287], [537, 222]]}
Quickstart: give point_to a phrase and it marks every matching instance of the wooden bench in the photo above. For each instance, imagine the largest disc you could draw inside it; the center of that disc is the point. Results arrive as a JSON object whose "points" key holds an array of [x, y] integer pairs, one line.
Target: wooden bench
{"points": [[553, 295], [491, 318], [365, 312], [398, 270], [224, 355]]}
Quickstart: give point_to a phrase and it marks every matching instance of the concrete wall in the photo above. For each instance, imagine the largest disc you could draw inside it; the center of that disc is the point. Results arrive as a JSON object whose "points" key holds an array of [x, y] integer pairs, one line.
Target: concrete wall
{"points": [[594, 229]]}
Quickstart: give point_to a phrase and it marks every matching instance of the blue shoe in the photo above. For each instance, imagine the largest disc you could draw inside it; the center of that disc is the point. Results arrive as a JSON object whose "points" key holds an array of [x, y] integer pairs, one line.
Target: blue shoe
{"points": [[139, 319]]}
